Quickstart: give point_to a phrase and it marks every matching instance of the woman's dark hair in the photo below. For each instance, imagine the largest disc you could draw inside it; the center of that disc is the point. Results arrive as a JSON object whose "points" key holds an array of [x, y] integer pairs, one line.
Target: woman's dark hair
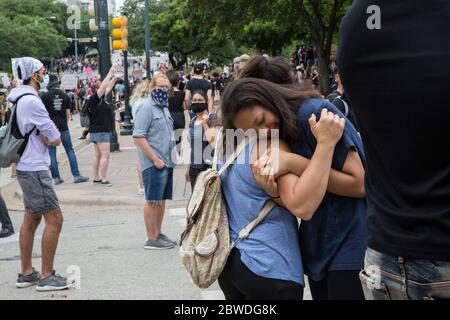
{"points": [[200, 92], [282, 100], [276, 70], [174, 79]]}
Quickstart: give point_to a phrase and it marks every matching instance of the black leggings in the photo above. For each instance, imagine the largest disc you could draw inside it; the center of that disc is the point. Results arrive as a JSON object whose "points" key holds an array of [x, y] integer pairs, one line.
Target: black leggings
{"points": [[5, 220], [240, 283], [338, 285], [193, 175]]}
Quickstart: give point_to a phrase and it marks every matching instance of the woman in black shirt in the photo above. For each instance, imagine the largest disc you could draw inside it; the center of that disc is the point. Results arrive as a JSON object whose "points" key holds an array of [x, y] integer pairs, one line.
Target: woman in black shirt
{"points": [[101, 125], [177, 108]]}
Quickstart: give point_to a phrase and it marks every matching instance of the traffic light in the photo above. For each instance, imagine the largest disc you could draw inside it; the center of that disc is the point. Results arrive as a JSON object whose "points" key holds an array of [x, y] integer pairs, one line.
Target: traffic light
{"points": [[93, 12], [120, 33]]}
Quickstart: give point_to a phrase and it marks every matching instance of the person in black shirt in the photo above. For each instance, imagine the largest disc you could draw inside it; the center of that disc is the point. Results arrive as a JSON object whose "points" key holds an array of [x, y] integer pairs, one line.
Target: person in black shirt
{"points": [[203, 130], [198, 83], [101, 126], [177, 108], [340, 100], [177, 104], [403, 115], [57, 104]]}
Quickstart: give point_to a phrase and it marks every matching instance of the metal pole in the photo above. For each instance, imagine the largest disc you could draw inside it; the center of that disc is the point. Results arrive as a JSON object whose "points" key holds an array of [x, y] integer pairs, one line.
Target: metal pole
{"points": [[147, 38], [105, 60], [76, 44], [103, 38], [127, 126]]}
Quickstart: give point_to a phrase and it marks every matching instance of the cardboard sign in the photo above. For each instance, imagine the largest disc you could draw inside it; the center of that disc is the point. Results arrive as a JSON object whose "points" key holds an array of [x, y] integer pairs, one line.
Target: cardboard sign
{"points": [[5, 80], [69, 82], [117, 63]]}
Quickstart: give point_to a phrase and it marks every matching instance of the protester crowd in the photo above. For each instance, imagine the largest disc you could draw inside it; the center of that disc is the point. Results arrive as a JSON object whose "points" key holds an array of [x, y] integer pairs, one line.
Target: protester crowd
{"points": [[73, 65], [346, 212]]}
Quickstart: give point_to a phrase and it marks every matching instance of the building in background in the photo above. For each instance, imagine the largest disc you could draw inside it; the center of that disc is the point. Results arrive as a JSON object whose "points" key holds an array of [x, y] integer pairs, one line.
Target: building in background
{"points": [[84, 4]]}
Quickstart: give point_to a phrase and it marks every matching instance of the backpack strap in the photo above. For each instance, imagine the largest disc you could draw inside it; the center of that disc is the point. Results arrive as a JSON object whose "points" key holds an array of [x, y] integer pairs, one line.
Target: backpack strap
{"points": [[241, 147], [216, 149], [347, 109], [14, 113], [244, 233]]}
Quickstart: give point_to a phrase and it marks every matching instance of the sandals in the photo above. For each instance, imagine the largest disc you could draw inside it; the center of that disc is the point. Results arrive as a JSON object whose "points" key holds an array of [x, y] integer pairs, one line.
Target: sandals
{"points": [[105, 183]]}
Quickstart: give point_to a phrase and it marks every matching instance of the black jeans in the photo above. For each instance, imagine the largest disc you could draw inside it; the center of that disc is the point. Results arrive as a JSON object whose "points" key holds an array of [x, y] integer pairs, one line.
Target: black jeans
{"points": [[193, 174], [5, 220], [338, 285], [240, 283]]}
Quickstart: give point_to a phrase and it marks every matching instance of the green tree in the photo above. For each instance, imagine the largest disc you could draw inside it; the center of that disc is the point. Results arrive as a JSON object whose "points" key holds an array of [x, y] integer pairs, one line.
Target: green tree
{"points": [[33, 28], [28, 36], [37, 8], [271, 25], [322, 18], [178, 30]]}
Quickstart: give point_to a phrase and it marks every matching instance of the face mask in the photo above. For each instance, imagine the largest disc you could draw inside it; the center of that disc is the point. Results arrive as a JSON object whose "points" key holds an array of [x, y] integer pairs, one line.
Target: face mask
{"points": [[199, 107], [44, 82], [161, 97]]}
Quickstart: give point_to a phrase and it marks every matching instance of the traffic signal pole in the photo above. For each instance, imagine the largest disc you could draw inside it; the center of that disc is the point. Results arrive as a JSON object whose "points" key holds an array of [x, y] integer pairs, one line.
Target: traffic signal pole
{"points": [[127, 126], [103, 38], [105, 59]]}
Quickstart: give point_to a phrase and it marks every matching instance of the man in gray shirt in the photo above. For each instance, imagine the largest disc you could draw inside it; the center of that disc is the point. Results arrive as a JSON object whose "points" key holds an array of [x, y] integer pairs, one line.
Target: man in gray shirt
{"points": [[154, 136]]}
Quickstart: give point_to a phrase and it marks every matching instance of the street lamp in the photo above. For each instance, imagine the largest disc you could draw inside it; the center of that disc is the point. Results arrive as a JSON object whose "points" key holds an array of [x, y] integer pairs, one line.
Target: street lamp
{"points": [[147, 38], [77, 26]]}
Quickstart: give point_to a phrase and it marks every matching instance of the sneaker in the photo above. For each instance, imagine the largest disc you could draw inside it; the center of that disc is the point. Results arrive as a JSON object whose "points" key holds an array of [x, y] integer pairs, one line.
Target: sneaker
{"points": [[80, 179], [58, 181], [140, 191], [106, 183], [28, 281], [97, 181], [53, 283], [165, 238], [6, 232], [157, 244]]}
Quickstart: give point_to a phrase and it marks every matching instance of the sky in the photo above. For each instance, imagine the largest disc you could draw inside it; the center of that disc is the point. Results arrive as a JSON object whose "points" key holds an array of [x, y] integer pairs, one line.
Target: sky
{"points": [[119, 3]]}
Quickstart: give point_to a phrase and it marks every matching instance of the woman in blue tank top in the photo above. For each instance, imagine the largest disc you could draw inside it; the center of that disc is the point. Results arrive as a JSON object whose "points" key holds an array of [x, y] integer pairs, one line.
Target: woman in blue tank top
{"points": [[268, 264]]}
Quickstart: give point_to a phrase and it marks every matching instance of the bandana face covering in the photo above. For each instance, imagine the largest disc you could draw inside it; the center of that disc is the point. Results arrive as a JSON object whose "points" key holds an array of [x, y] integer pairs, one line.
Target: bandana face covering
{"points": [[161, 97]]}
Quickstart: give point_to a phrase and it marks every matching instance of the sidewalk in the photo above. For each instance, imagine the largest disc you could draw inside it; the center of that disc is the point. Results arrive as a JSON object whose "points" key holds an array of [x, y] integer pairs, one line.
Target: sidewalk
{"points": [[122, 174]]}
